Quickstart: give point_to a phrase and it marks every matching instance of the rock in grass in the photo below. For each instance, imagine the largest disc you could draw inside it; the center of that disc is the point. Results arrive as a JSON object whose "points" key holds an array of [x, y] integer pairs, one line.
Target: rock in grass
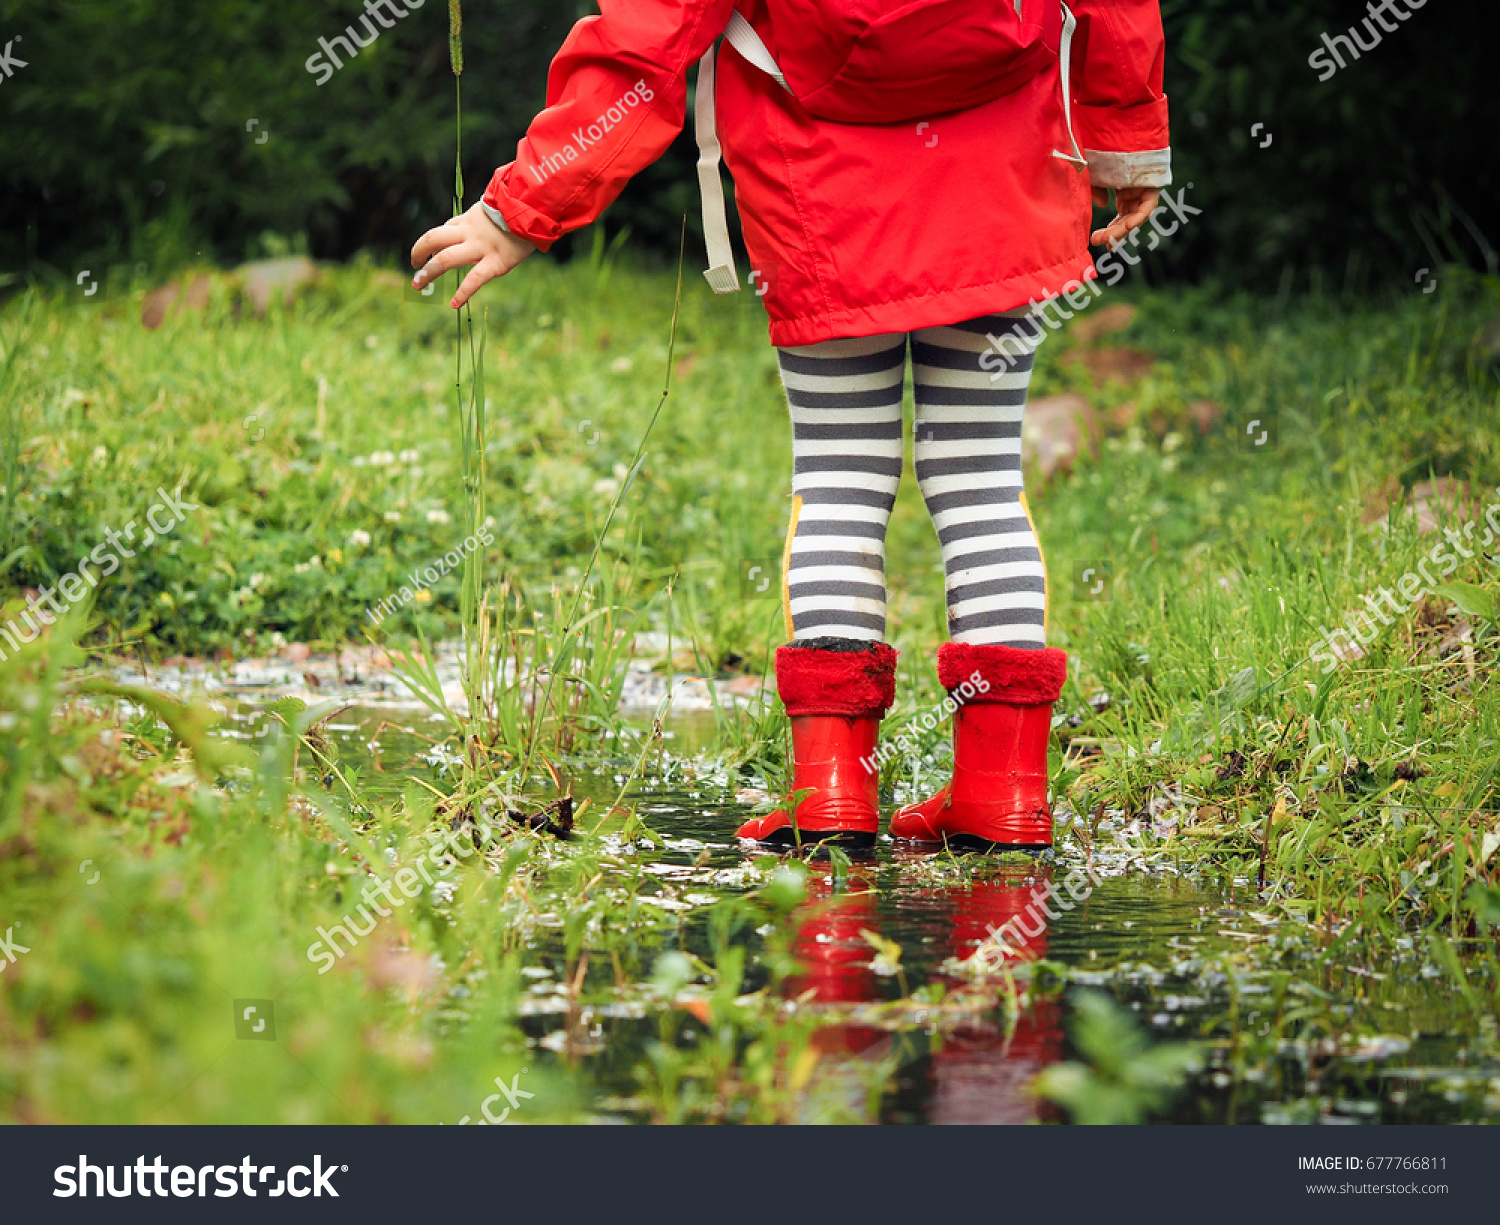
{"points": [[190, 293], [256, 283], [262, 280], [1489, 343], [1442, 500], [1119, 365], [555, 818], [1054, 431], [1106, 320]]}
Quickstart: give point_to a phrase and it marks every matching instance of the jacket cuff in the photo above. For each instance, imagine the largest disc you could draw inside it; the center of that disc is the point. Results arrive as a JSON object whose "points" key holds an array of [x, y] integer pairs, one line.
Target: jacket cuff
{"points": [[519, 219], [495, 215], [1132, 128], [1150, 168]]}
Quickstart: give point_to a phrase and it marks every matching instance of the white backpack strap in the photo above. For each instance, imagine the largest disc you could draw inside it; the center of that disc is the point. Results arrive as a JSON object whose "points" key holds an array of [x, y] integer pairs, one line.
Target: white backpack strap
{"points": [[1065, 56], [743, 38], [721, 274]]}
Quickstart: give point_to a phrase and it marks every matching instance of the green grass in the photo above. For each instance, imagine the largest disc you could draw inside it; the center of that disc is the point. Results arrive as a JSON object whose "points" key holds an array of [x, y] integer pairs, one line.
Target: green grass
{"points": [[353, 394], [1363, 801]]}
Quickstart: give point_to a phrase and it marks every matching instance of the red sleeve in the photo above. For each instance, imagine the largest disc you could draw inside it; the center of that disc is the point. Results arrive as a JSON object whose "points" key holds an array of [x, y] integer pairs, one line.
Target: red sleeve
{"points": [[1121, 110], [616, 98]]}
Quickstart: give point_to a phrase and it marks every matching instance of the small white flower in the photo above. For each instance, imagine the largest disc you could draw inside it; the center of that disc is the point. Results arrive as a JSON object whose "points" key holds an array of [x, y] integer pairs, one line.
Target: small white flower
{"points": [[257, 580], [381, 459], [409, 456], [444, 890], [392, 516], [101, 454], [359, 538], [439, 516], [442, 757], [621, 365], [359, 461]]}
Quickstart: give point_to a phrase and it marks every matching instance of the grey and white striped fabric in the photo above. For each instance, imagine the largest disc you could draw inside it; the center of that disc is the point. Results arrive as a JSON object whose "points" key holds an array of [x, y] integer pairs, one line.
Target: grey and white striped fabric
{"points": [[845, 399]]}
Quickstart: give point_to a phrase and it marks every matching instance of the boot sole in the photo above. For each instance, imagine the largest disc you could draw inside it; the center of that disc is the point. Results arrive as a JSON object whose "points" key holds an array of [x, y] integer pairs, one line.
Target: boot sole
{"points": [[974, 843], [787, 837]]}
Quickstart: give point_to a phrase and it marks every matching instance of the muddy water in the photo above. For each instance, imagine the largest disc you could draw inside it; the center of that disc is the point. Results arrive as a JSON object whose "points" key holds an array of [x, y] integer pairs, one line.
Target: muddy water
{"points": [[1292, 1031]]}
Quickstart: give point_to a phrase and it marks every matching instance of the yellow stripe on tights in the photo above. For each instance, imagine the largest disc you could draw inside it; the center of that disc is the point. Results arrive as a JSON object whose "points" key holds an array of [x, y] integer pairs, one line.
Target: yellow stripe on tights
{"points": [[1047, 592], [786, 569]]}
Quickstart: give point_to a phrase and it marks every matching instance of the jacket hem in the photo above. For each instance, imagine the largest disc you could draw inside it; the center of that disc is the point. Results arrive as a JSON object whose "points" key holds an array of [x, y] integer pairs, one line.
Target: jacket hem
{"points": [[938, 309]]}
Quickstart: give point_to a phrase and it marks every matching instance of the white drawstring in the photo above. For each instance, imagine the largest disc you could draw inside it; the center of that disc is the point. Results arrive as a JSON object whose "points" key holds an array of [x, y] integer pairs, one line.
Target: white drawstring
{"points": [[721, 274], [1065, 57], [741, 35]]}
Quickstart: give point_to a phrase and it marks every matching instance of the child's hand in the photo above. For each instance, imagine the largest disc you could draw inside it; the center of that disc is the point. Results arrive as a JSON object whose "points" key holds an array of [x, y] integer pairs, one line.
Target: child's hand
{"points": [[470, 239], [1133, 208]]}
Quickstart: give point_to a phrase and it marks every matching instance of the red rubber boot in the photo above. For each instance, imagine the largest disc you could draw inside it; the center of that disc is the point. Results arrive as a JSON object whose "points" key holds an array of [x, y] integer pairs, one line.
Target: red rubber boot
{"points": [[835, 699], [998, 796]]}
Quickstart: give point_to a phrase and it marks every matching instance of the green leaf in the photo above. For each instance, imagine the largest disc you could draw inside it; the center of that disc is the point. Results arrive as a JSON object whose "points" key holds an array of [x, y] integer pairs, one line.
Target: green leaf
{"points": [[787, 888], [1125, 1077], [1485, 903], [1447, 957], [1474, 600]]}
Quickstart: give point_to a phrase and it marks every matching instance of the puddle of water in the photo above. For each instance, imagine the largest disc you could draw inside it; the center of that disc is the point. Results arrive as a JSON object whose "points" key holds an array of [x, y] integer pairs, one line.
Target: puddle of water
{"points": [[1394, 1049], [363, 676], [1291, 1038]]}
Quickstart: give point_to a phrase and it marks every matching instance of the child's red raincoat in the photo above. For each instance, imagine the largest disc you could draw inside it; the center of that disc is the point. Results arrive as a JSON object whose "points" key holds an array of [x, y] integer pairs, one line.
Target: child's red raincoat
{"points": [[856, 230]]}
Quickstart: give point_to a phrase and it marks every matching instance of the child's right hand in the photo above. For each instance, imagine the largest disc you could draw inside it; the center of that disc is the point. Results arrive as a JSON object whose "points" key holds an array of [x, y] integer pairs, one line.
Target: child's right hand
{"points": [[1133, 208], [469, 239]]}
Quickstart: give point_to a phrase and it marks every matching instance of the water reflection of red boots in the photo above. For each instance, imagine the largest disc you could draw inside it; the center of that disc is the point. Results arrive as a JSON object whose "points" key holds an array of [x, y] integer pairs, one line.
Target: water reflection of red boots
{"points": [[833, 955], [981, 1074], [975, 1072]]}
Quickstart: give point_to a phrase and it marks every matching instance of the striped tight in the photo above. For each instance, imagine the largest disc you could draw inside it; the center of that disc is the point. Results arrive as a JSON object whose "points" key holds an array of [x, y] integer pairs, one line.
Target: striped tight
{"points": [[845, 399]]}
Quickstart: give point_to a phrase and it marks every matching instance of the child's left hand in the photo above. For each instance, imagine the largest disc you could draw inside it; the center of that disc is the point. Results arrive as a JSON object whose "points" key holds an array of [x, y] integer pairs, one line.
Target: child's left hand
{"points": [[1133, 208]]}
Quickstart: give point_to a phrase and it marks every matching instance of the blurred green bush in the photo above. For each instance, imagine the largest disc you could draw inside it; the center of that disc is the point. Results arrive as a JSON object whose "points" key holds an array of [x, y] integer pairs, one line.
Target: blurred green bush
{"points": [[1388, 166]]}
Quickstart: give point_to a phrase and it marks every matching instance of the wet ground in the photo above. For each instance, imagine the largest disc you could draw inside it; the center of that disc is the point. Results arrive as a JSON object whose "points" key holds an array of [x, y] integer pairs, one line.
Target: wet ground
{"points": [[363, 675], [1289, 1036], [1298, 1023]]}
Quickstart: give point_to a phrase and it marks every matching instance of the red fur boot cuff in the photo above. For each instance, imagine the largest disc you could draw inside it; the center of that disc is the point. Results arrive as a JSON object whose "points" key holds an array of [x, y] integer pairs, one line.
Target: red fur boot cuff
{"points": [[812, 681], [1012, 675]]}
